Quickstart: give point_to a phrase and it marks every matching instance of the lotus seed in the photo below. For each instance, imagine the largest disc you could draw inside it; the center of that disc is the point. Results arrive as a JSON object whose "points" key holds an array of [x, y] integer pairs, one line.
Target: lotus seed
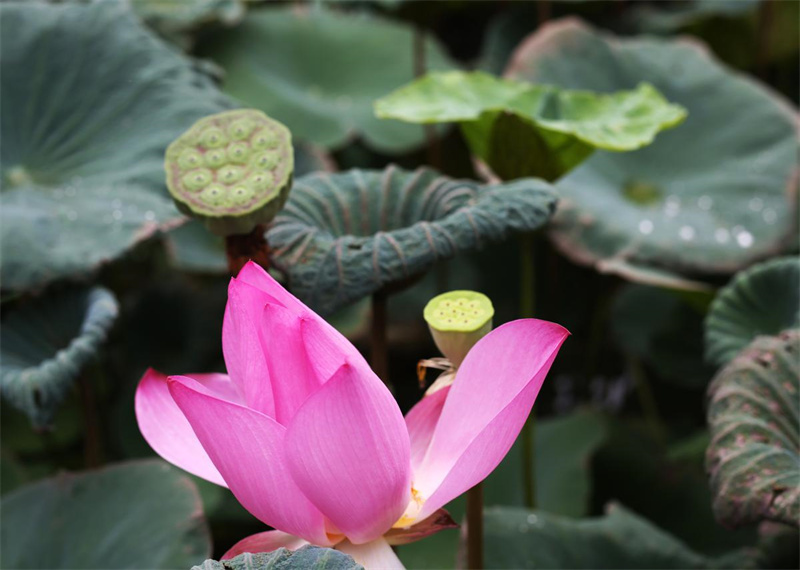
{"points": [[213, 137], [230, 174], [241, 195], [196, 179], [260, 181], [241, 129], [190, 159], [214, 195], [267, 160], [215, 158], [238, 152], [265, 139]]}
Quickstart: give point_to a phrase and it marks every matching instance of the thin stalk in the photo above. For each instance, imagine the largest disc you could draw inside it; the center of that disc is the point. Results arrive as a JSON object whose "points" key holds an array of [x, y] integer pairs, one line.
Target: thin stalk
{"points": [[91, 445], [378, 355], [433, 148], [475, 527], [529, 460], [647, 400], [241, 248], [527, 305]]}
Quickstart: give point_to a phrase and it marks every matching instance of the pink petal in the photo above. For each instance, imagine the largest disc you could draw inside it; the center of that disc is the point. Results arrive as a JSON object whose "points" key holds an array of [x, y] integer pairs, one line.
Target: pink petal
{"points": [[265, 542], [375, 555], [488, 403], [256, 276], [241, 346], [165, 428], [349, 453], [421, 421], [328, 349], [292, 377], [248, 449]]}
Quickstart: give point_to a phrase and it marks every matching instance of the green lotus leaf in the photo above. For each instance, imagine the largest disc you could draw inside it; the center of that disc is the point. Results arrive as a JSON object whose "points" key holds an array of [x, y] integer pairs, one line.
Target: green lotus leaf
{"points": [[519, 538], [754, 417], [662, 330], [343, 236], [652, 19], [84, 133], [710, 196], [176, 20], [305, 558], [521, 129], [45, 344], [762, 300], [141, 514], [318, 71], [191, 247]]}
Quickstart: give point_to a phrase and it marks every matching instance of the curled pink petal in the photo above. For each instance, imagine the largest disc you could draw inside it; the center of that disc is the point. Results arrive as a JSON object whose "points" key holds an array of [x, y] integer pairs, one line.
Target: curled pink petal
{"points": [[168, 432], [241, 345], [265, 542], [248, 449], [256, 276], [438, 521], [421, 422], [328, 349], [375, 555], [349, 453], [488, 403]]}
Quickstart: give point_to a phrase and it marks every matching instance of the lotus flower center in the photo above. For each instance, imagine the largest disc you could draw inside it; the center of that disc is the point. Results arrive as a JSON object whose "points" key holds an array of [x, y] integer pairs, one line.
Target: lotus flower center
{"points": [[412, 510]]}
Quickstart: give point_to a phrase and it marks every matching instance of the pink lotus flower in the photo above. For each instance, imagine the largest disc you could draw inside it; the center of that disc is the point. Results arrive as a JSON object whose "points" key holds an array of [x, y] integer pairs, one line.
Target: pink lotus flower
{"points": [[312, 443]]}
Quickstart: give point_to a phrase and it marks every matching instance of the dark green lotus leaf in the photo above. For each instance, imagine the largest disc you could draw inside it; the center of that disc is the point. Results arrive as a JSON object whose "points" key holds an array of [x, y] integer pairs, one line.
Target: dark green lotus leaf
{"points": [[45, 344], [519, 538], [708, 197], [191, 247], [176, 20], [762, 300], [674, 18], [318, 72], [521, 129], [664, 331], [84, 132], [343, 236], [141, 514], [306, 558], [564, 449], [754, 416]]}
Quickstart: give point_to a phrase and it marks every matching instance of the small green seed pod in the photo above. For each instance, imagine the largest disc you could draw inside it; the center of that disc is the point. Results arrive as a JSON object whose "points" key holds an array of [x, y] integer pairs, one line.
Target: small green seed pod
{"points": [[232, 170], [457, 320]]}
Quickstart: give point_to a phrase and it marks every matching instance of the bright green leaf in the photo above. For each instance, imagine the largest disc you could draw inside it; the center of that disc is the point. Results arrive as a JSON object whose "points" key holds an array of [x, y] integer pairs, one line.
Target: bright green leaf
{"points": [[45, 343], [762, 300], [710, 196], [318, 71], [521, 129], [754, 417], [343, 236], [84, 132], [141, 514]]}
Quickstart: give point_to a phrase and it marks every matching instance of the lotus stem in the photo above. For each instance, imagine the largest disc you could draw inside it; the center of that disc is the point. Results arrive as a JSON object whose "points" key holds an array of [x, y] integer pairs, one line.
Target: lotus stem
{"points": [[241, 248], [647, 400], [91, 445], [475, 527], [433, 149], [526, 309], [378, 355]]}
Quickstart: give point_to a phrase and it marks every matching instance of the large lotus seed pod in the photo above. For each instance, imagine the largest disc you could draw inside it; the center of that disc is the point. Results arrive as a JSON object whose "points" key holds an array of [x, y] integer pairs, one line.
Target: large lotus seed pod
{"points": [[458, 319], [233, 170]]}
